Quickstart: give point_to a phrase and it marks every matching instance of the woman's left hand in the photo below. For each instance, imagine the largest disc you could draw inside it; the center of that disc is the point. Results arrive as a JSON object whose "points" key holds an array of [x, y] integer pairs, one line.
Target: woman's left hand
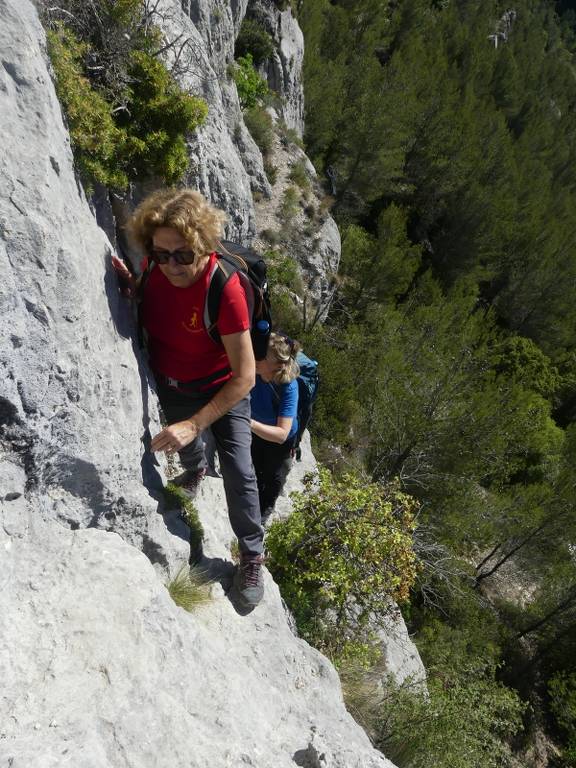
{"points": [[126, 280], [175, 437]]}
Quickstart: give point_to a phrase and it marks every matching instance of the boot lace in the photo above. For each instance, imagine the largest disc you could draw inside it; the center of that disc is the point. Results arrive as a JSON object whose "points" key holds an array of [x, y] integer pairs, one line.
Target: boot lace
{"points": [[250, 567]]}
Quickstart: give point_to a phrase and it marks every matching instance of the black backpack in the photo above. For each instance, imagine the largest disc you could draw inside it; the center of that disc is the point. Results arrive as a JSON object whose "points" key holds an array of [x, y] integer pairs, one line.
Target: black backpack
{"points": [[252, 271]]}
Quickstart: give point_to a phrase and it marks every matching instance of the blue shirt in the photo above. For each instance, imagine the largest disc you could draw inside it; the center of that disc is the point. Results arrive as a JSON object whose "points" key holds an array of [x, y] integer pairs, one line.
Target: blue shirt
{"points": [[269, 401]]}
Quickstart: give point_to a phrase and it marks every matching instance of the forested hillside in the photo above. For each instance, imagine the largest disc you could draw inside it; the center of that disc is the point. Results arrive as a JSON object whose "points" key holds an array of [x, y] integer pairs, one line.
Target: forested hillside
{"points": [[446, 133]]}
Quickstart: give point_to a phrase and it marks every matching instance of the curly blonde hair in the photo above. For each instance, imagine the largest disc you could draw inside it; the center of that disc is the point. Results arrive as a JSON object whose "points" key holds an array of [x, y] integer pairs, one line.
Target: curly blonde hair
{"points": [[184, 210], [284, 350]]}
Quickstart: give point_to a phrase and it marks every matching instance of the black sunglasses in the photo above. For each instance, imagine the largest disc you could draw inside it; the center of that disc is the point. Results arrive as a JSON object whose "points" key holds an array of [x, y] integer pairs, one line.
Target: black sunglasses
{"points": [[180, 257]]}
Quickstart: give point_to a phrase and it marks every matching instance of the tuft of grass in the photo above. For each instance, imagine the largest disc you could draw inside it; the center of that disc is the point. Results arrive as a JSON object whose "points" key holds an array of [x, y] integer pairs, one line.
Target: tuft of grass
{"points": [[362, 692], [235, 551], [176, 497], [190, 587]]}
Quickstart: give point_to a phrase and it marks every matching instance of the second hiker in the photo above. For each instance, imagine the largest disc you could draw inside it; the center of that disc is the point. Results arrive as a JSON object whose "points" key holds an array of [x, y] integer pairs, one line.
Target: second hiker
{"points": [[274, 402]]}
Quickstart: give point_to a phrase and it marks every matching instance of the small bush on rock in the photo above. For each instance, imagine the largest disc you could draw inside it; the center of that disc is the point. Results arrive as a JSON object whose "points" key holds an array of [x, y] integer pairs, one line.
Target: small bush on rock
{"points": [[289, 136], [271, 172], [341, 557], [253, 39], [290, 204], [250, 85], [299, 175], [458, 722], [127, 116], [259, 123]]}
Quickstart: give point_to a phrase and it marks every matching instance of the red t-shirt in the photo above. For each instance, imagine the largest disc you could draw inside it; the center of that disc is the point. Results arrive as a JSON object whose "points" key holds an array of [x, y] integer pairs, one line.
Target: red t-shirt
{"points": [[178, 343]]}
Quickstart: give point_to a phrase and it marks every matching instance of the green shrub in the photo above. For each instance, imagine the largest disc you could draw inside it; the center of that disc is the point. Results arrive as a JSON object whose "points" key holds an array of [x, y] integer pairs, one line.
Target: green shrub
{"points": [[339, 559], [160, 115], [253, 39], [285, 4], [98, 143], [289, 135], [189, 588], [562, 691], [271, 235], [290, 204], [287, 312], [284, 271], [259, 123], [464, 720], [271, 172], [250, 85], [299, 175], [143, 138]]}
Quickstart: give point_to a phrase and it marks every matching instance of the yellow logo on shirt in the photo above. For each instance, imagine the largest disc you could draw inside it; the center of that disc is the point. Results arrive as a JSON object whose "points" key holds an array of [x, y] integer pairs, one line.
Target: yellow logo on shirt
{"points": [[193, 323]]}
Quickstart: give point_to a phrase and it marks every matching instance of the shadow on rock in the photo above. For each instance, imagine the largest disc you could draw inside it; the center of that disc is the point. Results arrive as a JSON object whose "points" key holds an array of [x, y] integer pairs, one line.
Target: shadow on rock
{"points": [[222, 572]]}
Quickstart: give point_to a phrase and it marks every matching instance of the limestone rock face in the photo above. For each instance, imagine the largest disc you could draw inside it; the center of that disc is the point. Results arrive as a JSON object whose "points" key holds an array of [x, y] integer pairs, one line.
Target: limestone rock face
{"points": [[226, 165], [104, 669], [283, 71], [74, 400], [303, 230], [98, 666]]}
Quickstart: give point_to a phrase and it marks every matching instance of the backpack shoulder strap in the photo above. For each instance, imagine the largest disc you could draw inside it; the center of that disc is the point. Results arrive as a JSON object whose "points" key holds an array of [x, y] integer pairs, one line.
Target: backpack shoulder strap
{"points": [[219, 276], [227, 264], [142, 280]]}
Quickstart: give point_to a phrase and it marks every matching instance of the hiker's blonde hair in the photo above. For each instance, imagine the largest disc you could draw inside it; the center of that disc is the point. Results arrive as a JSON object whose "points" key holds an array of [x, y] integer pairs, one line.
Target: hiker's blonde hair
{"points": [[184, 210], [284, 350]]}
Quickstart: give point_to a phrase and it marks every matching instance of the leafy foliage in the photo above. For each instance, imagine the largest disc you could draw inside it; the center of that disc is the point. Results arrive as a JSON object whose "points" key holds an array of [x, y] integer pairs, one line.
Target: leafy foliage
{"points": [[562, 690], [461, 716], [340, 558], [465, 721], [254, 40], [250, 85], [259, 123], [299, 175], [453, 331], [97, 140], [128, 119]]}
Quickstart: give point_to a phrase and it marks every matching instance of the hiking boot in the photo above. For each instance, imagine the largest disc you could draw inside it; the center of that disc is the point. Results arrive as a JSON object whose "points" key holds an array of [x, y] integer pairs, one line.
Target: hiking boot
{"points": [[190, 480], [248, 580]]}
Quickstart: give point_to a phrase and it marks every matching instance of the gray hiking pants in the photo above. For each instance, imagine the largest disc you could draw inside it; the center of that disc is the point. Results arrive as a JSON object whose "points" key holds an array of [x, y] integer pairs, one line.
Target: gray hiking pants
{"points": [[233, 439]]}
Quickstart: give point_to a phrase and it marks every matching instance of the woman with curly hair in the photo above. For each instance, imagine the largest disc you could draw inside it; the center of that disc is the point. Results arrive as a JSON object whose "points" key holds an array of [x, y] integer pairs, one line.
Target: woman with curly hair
{"points": [[201, 383], [274, 402]]}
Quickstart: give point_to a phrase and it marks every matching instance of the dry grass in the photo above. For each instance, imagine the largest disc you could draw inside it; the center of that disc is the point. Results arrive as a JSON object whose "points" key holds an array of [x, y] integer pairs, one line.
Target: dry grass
{"points": [[190, 588]]}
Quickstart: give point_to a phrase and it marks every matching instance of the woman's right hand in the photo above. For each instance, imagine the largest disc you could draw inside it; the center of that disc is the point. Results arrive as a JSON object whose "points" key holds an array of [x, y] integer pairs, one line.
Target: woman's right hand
{"points": [[126, 280]]}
